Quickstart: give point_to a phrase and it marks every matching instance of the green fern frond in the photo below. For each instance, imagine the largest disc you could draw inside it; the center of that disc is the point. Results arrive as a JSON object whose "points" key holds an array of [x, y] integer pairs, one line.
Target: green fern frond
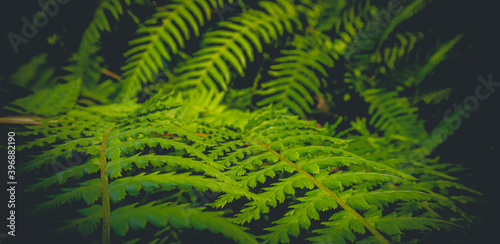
{"points": [[393, 114], [434, 97], [407, 13], [159, 215], [324, 15], [115, 167], [177, 216], [35, 74], [393, 224], [85, 225], [233, 46], [89, 191], [391, 56], [364, 200], [299, 216], [343, 227], [100, 21], [307, 164], [74, 172], [145, 156], [438, 57], [64, 151], [295, 76], [87, 64], [49, 101], [125, 139], [444, 184], [153, 48], [316, 201], [119, 188]]}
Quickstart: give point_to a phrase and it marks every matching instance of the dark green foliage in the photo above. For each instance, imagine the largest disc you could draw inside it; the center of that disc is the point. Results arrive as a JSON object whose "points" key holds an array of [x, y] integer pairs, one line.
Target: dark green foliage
{"points": [[241, 118], [49, 101], [235, 45], [294, 76], [234, 161]]}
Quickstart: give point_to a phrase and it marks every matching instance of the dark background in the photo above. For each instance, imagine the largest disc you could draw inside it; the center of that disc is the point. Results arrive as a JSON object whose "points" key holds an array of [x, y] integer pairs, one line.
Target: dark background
{"points": [[475, 144]]}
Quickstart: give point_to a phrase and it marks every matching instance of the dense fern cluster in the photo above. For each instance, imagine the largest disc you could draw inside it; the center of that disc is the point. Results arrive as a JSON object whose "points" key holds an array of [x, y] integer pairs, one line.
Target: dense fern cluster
{"points": [[165, 147], [150, 140], [235, 109]]}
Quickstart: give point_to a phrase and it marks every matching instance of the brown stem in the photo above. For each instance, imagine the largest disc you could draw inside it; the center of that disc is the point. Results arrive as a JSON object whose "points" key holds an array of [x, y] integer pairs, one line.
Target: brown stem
{"points": [[106, 209], [320, 185], [111, 74]]}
